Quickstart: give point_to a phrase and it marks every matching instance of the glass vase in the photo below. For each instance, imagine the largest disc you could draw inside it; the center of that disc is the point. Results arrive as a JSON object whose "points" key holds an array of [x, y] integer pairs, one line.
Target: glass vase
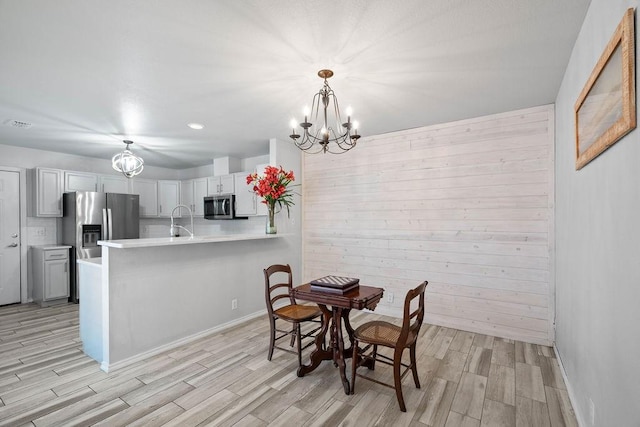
{"points": [[271, 221]]}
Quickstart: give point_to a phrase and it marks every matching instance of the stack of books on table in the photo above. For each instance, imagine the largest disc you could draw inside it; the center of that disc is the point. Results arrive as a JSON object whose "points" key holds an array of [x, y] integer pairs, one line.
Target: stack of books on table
{"points": [[334, 284]]}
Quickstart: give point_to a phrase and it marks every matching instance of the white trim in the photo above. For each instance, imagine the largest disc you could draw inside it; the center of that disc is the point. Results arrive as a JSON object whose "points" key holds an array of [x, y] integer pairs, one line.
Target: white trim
{"points": [[22, 191], [105, 366], [572, 396]]}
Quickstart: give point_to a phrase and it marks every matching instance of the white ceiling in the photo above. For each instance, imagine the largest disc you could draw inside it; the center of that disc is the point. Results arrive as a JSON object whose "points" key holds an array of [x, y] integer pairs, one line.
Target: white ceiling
{"points": [[89, 73]]}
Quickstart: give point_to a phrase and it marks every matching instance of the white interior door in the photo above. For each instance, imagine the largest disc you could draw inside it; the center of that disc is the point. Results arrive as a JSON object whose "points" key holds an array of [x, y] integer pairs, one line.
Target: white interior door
{"points": [[9, 237]]}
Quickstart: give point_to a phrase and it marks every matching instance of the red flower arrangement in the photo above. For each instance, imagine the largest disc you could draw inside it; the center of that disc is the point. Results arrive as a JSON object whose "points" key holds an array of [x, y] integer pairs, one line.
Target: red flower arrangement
{"points": [[272, 187]]}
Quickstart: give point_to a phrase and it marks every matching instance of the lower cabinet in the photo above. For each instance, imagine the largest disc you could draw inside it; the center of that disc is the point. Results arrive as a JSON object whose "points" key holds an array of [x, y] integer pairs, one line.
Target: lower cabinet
{"points": [[50, 267]]}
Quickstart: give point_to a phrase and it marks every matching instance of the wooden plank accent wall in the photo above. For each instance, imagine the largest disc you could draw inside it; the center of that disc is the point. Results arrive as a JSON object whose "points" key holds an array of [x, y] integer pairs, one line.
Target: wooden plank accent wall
{"points": [[466, 205]]}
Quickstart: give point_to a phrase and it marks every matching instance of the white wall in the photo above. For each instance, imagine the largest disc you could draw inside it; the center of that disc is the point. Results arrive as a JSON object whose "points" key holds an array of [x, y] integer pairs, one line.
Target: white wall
{"points": [[465, 205], [598, 247]]}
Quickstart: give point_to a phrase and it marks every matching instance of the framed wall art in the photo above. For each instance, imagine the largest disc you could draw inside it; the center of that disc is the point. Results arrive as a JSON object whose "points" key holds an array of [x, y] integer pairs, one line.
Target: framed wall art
{"points": [[606, 108]]}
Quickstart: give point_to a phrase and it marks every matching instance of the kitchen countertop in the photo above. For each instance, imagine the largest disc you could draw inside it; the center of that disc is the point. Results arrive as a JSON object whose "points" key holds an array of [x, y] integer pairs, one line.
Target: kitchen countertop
{"points": [[172, 241]]}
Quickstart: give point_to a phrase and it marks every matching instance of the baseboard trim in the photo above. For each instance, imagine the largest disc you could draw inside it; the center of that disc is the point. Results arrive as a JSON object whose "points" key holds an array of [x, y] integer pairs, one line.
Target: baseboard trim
{"points": [[110, 367], [572, 396]]}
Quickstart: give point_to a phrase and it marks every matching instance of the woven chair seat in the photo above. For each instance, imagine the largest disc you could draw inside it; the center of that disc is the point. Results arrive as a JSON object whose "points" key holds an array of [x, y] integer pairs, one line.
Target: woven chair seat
{"points": [[381, 333], [297, 312]]}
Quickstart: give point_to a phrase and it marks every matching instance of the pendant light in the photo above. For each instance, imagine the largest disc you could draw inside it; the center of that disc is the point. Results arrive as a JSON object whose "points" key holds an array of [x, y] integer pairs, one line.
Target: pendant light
{"points": [[127, 163]]}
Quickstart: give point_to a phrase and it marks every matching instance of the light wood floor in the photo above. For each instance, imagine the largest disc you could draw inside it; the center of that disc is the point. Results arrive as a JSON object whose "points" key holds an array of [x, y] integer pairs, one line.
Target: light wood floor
{"points": [[225, 379]]}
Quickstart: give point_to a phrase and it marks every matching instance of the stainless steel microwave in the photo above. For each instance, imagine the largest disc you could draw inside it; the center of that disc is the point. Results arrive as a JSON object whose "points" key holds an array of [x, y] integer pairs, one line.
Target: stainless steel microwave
{"points": [[220, 207]]}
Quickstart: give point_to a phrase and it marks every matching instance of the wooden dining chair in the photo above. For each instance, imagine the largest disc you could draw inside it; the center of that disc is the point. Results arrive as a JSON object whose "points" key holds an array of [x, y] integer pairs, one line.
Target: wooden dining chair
{"points": [[293, 313], [382, 333]]}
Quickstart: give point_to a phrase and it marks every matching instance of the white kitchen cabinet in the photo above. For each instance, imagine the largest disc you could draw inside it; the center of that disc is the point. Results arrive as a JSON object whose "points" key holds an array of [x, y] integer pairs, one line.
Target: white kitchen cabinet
{"points": [[223, 184], [261, 208], [50, 274], [80, 181], [245, 197], [46, 192], [147, 189], [192, 194], [168, 197], [113, 184]]}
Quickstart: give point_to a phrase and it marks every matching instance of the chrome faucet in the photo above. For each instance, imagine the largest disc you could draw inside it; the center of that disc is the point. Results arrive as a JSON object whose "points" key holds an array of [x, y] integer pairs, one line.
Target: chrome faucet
{"points": [[174, 227]]}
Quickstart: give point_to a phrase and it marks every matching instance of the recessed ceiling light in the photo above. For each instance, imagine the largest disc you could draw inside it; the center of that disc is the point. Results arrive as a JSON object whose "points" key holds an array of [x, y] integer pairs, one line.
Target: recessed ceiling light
{"points": [[196, 126]]}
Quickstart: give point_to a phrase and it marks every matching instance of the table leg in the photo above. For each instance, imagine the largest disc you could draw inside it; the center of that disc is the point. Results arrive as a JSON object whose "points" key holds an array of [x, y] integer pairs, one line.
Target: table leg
{"points": [[339, 351], [349, 352], [319, 354], [347, 325]]}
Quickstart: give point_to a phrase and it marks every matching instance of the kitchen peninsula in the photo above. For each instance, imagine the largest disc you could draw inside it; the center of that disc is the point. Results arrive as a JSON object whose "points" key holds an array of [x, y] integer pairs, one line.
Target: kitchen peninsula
{"points": [[150, 295]]}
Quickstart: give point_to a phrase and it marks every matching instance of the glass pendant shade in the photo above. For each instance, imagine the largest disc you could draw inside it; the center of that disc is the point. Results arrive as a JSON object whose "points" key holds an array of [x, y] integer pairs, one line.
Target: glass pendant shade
{"points": [[127, 163]]}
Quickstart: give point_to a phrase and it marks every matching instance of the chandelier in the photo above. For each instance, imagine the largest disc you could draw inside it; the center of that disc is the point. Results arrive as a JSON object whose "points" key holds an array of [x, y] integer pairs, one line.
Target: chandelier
{"points": [[127, 163], [325, 138]]}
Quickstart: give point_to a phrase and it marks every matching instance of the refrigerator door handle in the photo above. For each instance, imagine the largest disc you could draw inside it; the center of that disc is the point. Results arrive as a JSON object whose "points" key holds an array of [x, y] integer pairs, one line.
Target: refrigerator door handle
{"points": [[110, 223], [105, 224]]}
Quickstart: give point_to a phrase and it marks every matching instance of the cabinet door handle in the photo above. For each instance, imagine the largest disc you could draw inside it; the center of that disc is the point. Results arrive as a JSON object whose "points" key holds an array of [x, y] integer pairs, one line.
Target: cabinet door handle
{"points": [[160, 208], [65, 267]]}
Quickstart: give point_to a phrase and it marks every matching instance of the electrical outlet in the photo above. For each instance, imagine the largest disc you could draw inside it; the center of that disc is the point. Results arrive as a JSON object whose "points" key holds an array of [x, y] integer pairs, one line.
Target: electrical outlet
{"points": [[592, 412], [234, 304], [41, 231], [389, 297]]}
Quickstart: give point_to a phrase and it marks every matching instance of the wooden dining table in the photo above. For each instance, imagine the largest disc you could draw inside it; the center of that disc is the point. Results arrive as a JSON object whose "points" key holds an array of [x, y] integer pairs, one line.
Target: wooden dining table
{"points": [[341, 305]]}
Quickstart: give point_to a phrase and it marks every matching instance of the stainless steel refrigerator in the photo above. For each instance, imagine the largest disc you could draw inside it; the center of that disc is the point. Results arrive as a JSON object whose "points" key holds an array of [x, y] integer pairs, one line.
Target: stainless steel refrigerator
{"points": [[88, 217]]}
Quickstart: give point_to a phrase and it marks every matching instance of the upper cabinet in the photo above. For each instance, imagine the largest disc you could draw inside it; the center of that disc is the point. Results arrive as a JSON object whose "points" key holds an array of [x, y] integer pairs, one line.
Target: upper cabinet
{"points": [[80, 181], [168, 197], [245, 197], [148, 191], [157, 197], [261, 208], [113, 184], [46, 192], [222, 184], [192, 194]]}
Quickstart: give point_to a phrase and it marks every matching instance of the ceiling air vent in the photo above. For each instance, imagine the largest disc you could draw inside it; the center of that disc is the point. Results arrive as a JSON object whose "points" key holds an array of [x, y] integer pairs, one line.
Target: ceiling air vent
{"points": [[17, 124]]}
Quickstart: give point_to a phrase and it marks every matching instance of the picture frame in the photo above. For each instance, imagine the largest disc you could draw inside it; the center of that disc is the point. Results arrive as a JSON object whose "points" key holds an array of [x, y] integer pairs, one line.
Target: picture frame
{"points": [[605, 111]]}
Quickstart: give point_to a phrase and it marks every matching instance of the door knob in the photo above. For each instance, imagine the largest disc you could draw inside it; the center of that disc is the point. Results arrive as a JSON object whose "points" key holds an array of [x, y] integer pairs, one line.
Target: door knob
{"points": [[13, 245], [14, 235]]}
